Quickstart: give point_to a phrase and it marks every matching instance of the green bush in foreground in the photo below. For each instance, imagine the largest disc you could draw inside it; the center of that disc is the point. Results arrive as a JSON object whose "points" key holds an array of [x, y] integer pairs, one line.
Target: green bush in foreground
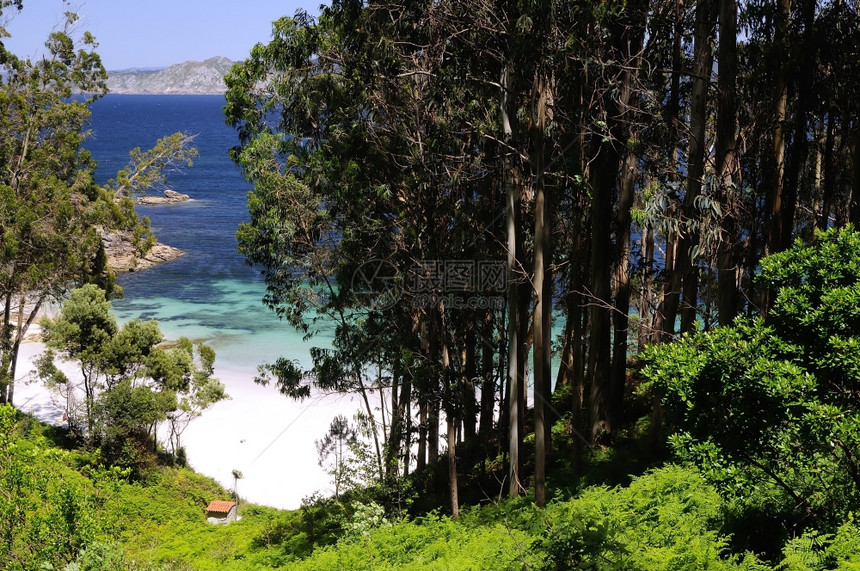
{"points": [[769, 409], [60, 511], [668, 519], [49, 510], [814, 551]]}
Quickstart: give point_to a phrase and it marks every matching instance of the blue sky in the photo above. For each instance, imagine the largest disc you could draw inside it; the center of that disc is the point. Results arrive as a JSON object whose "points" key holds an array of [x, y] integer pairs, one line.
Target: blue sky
{"points": [[154, 33]]}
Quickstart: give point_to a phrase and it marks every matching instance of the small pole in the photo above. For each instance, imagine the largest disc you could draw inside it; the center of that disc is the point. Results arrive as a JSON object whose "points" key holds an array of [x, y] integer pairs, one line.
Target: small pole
{"points": [[237, 475]]}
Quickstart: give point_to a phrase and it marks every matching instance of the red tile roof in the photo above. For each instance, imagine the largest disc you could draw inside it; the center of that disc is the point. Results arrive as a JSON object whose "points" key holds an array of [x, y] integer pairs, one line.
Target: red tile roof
{"points": [[220, 507]]}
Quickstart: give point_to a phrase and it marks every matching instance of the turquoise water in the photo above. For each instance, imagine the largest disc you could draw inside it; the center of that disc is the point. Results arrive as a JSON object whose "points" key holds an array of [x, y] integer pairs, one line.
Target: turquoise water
{"points": [[210, 294]]}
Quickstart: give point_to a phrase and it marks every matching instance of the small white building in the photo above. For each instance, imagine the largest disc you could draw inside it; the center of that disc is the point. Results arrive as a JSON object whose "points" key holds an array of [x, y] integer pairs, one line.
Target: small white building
{"points": [[221, 511]]}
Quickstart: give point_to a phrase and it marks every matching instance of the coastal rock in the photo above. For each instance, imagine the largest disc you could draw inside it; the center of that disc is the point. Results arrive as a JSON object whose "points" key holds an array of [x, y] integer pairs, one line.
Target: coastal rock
{"points": [[122, 256], [170, 197]]}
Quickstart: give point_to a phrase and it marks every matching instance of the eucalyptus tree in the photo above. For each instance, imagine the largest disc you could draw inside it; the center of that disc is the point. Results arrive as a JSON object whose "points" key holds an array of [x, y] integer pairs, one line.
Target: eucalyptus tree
{"points": [[725, 162], [413, 132], [297, 103], [786, 83], [327, 187], [52, 214], [689, 246], [360, 136]]}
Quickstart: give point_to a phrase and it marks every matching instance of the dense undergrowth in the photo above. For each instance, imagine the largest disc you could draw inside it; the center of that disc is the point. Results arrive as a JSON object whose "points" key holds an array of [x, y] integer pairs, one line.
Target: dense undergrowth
{"points": [[60, 508], [753, 465]]}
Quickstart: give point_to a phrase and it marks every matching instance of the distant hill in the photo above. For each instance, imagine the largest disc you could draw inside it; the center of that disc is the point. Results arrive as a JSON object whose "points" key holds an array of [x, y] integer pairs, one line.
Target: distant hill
{"points": [[189, 78]]}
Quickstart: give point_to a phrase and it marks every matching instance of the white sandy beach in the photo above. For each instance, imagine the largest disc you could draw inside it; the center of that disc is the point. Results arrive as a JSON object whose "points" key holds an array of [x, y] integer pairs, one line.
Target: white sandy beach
{"points": [[265, 435]]}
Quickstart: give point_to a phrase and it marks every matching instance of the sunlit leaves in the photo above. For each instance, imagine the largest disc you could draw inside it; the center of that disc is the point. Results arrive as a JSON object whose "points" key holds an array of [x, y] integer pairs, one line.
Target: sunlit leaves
{"points": [[148, 169], [776, 400], [48, 511], [127, 380]]}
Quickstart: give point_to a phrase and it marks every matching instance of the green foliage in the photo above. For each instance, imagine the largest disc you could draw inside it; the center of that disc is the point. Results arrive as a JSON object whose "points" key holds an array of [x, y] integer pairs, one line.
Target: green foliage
{"points": [[89, 518], [48, 510], [127, 382], [162, 522], [769, 408], [147, 169], [60, 510], [366, 516], [345, 454], [428, 543], [667, 519], [98, 557], [336, 455], [814, 551]]}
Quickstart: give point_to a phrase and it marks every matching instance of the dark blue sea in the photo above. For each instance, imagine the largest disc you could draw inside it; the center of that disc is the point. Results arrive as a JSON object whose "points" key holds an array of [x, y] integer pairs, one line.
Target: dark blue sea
{"points": [[209, 294]]}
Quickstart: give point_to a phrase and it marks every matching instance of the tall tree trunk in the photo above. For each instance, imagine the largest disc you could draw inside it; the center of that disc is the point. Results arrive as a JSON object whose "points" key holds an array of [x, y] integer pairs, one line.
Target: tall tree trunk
{"points": [[564, 376], [630, 44], [6, 378], [646, 326], [729, 265], [854, 203], [421, 459], [406, 408], [800, 141], [542, 323], [467, 384], [433, 430], [623, 290], [451, 419], [394, 447], [514, 257], [829, 173], [603, 179], [579, 401], [607, 372], [775, 229], [374, 431], [452, 465], [572, 369], [667, 308], [488, 384], [702, 62]]}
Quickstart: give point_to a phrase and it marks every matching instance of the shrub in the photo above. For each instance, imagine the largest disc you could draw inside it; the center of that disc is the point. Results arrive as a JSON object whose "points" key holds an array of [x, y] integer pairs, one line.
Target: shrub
{"points": [[669, 518], [769, 409]]}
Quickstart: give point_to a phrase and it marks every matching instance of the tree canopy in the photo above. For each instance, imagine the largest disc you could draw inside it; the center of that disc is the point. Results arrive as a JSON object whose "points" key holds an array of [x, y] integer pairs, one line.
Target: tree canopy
{"points": [[126, 383], [53, 216], [629, 164]]}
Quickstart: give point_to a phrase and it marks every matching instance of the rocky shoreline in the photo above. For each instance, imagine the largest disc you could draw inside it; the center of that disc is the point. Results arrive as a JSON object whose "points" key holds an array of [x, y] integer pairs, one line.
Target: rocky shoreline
{"points": [[119, 246], [123, 257]]}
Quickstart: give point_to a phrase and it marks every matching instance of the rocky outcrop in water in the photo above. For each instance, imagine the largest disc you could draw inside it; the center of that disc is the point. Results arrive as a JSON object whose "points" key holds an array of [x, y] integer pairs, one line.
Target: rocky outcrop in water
{"points": [[170, 197], [123, 256], [189, 78]]}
